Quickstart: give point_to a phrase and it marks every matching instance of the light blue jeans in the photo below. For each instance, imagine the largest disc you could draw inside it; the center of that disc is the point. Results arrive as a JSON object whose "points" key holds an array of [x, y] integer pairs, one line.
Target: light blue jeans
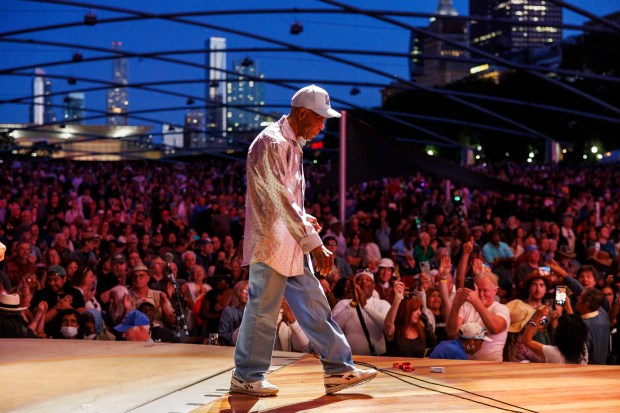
{"points": [[307, 300]]}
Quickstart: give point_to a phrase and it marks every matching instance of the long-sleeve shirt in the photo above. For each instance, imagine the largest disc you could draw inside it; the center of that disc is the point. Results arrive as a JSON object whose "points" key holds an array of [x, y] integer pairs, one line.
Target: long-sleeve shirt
{"points": [[374, 316], [277, 232]]}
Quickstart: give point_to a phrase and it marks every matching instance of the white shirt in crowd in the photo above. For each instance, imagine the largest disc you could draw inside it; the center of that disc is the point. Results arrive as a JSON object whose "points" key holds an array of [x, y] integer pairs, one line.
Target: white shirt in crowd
{"points": [[490, 351], [374, 316]]}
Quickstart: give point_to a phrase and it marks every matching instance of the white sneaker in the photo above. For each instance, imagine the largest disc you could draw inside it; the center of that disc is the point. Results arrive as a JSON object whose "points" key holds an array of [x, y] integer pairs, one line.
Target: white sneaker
{"points": [[260, 388], [340, 381]]}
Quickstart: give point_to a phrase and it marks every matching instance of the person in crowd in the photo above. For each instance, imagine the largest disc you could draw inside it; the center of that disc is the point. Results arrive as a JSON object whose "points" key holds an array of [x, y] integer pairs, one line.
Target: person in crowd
{"points": [[118, 276], [69, 328], [215, 301], [341, 266], [59, 295], [334, 229], [289, 335], [20, 263], [528, 265], [597, 321], [85, 255], [13, 324], [499, 255], [194, 292], [403, 327], [355, 253], [93, 327], [470, 338], [159, 333], [140, 291], [384, 283], [136, 326], [479, 306], [514, 349], [84, 281], [571, 336], [423, 251], [232, 314], [373, 311]]}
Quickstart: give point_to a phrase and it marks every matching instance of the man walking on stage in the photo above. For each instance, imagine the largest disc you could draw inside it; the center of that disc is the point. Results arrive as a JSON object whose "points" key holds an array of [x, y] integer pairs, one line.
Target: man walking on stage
{"points": [[279, 236]]}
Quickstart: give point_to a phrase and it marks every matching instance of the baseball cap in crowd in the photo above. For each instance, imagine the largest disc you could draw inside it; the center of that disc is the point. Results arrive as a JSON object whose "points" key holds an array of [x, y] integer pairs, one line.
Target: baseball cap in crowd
{"points": [[386, 262], [134, 318], [118, 258], [10, 302], [364, 271], [316, 99], [329, 239], [531, 248], [57, 270], [473, 330]]}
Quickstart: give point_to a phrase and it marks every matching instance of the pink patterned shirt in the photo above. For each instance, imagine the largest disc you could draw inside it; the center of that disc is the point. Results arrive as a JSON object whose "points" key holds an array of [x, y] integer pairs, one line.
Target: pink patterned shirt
{"points": [[277, 232]]}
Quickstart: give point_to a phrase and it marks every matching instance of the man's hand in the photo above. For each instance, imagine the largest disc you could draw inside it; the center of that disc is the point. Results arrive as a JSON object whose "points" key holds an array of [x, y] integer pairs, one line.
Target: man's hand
{"points": [[314, 222], [445, 266], [64, 303], [324, 260], [287, 314]]}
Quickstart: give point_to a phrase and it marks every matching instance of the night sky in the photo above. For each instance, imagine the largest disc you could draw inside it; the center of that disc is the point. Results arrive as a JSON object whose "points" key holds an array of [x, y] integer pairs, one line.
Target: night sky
{"points": [[335, 31]]}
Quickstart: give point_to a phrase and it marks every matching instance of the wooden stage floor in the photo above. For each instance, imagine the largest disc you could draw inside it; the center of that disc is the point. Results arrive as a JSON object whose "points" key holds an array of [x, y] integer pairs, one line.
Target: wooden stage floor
{"points": [[77, 376]]}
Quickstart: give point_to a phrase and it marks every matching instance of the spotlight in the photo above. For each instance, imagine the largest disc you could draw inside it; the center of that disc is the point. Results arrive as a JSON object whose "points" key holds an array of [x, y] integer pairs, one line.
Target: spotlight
{"points": [[296, 28], [90, 19], [247, 62]]}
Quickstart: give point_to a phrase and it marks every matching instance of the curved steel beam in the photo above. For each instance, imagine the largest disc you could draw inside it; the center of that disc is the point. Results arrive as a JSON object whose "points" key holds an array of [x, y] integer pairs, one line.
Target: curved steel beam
{"points": [[296, 11], [489, 56], [325, 55]]}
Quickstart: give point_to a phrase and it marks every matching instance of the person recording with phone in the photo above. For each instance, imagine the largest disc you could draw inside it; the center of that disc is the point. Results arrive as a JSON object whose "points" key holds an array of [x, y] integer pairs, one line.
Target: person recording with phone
{"points": [[570, 337], [479, 305]]}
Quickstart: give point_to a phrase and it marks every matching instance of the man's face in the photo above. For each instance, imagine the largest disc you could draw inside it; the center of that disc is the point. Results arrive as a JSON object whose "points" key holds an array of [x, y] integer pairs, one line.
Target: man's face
{"points": [[538, 289], [23, 250], [332, 246], [309, 124], [587, 279], [189, 261], [534, 257], [486, 291], [119, 268], [385, 273], [55, 282], [141, 279], [69, 320], [366, 284]]}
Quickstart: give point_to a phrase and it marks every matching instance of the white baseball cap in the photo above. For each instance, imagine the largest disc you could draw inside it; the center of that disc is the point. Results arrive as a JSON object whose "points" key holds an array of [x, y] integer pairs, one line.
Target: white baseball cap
{"points": [[474, 330], [316, 99]]}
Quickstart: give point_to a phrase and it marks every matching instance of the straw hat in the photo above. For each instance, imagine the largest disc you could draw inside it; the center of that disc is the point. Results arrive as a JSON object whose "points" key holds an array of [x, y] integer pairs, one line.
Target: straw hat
{"points": [[520, 314], [10, 302]]}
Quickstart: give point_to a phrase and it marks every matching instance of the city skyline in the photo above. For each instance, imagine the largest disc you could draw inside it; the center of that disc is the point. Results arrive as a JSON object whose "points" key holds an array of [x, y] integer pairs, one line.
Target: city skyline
{"points": [[271, 65]]}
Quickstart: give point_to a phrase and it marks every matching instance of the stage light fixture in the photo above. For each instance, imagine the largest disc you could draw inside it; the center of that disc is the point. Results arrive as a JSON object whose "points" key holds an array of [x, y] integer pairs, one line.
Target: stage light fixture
{"points": [[247, 62], [90, 19], [296, 28]]}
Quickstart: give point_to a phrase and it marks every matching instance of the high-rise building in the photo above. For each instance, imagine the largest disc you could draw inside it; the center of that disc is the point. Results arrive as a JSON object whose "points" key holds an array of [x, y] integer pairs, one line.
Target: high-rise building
{"points": [[73, 108], [172, 135], [439, 66], [216, 86], [507, 37], [194, 135], [117, 99], [41, 111], [243, 90], [416, 50]]}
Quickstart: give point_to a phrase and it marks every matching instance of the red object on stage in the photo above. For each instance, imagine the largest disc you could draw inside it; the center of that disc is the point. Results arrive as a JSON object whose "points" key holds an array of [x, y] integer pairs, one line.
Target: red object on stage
{"points": [[406, 366]]}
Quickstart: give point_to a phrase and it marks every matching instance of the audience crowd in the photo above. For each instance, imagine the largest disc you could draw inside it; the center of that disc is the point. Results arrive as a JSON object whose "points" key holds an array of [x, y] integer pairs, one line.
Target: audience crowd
{"points": [[151, 251]]}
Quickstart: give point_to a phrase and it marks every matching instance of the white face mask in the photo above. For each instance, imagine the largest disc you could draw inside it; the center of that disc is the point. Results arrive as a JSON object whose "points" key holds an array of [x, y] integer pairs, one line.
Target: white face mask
{"points": [[68, 331], [90, 337]]}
